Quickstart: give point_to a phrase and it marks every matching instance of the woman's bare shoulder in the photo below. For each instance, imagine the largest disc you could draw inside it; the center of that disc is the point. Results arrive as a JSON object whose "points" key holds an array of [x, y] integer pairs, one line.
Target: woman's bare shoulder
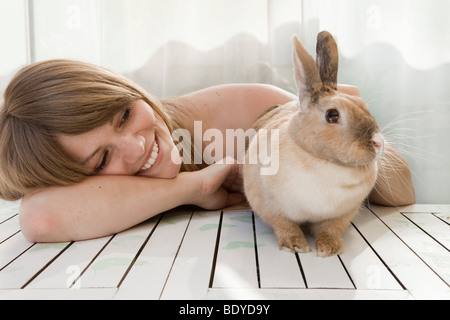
{"points": [[235, 106]]}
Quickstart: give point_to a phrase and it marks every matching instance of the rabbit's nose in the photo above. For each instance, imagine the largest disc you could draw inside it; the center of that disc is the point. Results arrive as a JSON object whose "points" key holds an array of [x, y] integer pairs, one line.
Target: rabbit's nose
{"points": [[378, 141]]}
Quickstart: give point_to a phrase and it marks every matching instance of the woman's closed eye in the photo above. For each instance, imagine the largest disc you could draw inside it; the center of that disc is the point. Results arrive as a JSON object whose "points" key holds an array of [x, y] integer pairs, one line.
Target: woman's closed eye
{"points": [[122, 121], [125, 117], [103, 163]]}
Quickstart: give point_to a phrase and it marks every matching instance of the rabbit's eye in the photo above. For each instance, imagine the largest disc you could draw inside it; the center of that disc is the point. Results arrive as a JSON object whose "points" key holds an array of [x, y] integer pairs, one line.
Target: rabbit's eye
{"points": [[332, 116]]}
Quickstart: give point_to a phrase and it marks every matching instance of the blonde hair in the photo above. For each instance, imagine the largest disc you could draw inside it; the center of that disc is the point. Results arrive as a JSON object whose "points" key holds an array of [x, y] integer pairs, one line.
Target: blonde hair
{"points": [[51, 98]]}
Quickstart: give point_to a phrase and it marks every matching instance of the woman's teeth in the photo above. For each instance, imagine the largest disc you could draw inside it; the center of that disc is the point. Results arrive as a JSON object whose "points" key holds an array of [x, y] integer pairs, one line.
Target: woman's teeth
{"points": [[152, 159]]}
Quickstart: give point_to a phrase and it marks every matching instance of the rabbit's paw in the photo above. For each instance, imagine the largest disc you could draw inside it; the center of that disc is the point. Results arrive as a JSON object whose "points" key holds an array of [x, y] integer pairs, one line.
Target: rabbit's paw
{"points": [[328, 245], [294, 243]]}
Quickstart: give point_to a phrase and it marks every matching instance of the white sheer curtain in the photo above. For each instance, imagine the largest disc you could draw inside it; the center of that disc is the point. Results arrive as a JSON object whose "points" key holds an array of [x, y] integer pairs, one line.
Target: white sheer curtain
{"points": [[397, 52], [172, 46]]}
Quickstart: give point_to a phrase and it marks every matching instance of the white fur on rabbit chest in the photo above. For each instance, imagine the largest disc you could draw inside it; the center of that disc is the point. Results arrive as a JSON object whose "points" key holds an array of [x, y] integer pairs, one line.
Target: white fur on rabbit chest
{"points": [[305, 188]]}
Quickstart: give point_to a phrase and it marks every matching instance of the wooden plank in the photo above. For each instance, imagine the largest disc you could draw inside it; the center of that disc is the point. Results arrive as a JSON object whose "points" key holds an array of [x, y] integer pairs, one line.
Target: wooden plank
{"points": [[324, 272], [277, 268], [9, 227], [433, 225], [4, 203], [435, 208], [431, 252], [364, 267], [444, 216], [236, 261], [8, 204], [8, 210], [69, 266], [309, 294], [58, 294], [24, 268], [401, 260], [107, 270], [12, 248], [190, 275], [148, 275], [409, 243]]}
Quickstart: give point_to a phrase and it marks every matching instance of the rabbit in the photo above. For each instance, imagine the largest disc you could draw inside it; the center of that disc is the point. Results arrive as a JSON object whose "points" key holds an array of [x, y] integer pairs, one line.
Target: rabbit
{"points": [[328, 149]]}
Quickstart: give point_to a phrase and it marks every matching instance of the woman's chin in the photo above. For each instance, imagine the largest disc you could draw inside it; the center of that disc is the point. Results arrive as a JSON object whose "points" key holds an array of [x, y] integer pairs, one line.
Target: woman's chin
{"points": [[173, 171], [169, 171]]}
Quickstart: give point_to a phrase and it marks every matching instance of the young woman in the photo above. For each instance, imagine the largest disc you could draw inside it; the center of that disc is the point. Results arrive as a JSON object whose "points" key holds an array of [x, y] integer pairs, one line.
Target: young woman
{"points": [[91, 154]]}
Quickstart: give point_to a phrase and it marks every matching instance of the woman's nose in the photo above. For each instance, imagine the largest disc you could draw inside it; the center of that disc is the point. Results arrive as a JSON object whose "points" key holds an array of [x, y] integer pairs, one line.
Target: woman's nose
{"points": [[133, 148]]}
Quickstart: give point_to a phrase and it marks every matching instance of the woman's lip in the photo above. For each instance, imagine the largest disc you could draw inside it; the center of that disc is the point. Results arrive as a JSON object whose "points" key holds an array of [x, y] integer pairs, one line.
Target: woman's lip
{"points": [[158, 159]]}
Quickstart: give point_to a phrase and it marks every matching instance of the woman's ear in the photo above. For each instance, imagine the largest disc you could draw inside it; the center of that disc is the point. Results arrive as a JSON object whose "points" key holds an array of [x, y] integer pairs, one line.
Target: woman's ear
{"points": [[327, 59]]}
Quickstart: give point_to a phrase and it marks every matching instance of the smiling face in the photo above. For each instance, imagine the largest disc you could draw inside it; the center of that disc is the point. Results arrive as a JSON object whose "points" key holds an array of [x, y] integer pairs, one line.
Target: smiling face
{"points": [[135, 142]]}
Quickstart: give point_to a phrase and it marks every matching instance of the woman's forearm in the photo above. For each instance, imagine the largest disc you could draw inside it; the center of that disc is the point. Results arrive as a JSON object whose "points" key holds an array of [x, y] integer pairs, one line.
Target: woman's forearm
{"points": [[99, 206], [104, 205], [394, 186]]}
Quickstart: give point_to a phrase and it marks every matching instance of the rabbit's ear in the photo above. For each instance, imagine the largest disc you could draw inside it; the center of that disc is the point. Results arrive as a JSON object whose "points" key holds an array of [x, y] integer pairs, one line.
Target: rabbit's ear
{"points": [[306, 74], [327, 59]]}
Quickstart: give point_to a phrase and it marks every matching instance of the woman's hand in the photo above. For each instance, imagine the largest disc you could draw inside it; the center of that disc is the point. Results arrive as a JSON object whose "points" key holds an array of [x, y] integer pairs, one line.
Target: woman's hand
{"points": [[217, 186]]}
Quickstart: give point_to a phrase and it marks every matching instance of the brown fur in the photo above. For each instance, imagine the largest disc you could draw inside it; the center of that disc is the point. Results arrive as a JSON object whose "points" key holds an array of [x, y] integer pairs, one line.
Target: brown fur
{"points": [[325, 170]]}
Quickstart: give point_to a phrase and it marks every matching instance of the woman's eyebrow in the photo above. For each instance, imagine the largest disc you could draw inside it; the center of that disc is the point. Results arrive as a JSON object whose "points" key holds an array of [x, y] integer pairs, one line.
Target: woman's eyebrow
{"points": [[91, 156]]}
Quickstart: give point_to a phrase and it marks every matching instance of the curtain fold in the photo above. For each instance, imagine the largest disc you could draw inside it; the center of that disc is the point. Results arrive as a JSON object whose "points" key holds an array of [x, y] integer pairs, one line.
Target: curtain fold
{"points": [[397, 52]]}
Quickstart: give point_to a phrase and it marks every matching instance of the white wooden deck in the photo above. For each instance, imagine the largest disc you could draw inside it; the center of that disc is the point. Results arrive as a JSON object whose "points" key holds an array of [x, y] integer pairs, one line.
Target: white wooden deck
{"points": [[390, 253]]}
